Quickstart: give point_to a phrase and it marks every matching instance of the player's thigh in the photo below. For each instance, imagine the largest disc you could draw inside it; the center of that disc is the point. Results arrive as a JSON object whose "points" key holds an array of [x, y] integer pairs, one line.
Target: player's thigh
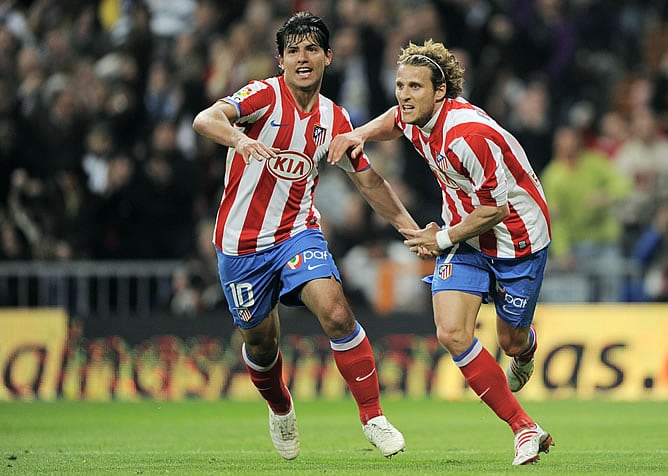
{"points": [[455, 315]]}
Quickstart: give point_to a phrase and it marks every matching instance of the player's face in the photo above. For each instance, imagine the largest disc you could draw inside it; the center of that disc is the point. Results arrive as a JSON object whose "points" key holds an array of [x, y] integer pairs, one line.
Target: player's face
{"points": [[304, 64], [415, 94]]}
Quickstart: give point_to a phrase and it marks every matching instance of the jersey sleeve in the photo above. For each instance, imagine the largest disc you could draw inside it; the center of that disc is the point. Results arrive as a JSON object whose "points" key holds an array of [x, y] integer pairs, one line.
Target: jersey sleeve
{"points": [[251, 101], [342, 125]]}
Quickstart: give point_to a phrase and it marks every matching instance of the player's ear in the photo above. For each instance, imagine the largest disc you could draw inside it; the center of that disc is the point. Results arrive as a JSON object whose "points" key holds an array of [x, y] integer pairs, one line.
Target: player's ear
{"points": [[441, 91], [328, 57]]}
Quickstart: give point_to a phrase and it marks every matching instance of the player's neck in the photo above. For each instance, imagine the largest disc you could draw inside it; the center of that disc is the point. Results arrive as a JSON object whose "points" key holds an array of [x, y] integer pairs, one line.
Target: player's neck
{"points": [[305, 100]]}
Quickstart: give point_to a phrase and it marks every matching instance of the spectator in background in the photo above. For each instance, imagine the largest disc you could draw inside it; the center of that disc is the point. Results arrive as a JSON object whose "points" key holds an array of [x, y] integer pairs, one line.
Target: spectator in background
{"points": [[546, 36], [651, 252], [98, 153], [162, 99], [57, 132], [660, 93], [12, 148], [169, 19], [117, 86], [644, 160], [133, 37], [584, 191], [13, 246], [52, 215], [196, 285], [347, 76], [30, 77], [168, 178], [530, 122], [613, 132], [233, 61], [484, 30]]}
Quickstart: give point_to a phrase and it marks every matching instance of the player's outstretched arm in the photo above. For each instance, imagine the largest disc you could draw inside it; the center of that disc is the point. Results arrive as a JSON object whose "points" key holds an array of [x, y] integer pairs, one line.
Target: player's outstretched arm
{"points": [[383, 199], [215, 123], [352, 143]]}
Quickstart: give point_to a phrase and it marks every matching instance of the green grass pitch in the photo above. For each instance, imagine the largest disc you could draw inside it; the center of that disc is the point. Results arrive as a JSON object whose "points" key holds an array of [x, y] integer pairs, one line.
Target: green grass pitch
{"points": [[231, 437]]}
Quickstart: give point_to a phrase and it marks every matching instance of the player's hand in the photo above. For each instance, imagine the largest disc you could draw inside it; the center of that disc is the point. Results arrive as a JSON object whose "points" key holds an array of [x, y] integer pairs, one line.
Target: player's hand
{"points": [[423, 242], [248, 148], [344, 143]]}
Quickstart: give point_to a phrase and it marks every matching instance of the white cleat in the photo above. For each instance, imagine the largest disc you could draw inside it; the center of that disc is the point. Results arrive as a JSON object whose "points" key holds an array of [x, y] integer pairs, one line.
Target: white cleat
{"points": [[529, 442], [384, 436], [518, 373], [284, 434]]}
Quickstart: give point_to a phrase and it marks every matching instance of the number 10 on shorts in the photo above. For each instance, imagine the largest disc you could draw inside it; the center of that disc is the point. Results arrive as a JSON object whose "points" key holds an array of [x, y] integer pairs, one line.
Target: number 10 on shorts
{"points": [[242, 293]]}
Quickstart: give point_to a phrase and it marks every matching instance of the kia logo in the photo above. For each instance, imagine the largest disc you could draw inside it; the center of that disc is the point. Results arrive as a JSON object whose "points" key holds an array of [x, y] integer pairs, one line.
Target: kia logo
{"points": [[290, 165]]}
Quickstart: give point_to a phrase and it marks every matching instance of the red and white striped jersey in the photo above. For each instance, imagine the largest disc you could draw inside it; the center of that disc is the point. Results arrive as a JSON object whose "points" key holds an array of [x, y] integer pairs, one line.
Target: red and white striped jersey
{"points": [[477, 162], [266, 202]]}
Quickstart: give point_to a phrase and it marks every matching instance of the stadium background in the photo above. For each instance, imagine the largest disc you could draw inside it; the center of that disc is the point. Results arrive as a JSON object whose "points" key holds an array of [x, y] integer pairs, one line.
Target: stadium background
{"points": [[107, 277]]}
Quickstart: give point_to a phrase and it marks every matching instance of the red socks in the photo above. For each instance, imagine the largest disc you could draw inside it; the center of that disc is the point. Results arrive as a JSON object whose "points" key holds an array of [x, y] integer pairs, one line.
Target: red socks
{"points": [[354, 359], [488, 381], [269, 382]]}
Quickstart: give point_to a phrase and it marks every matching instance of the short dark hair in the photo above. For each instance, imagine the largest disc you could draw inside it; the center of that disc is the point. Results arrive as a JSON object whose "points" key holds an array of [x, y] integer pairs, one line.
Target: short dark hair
{"points": [[303, 25]]}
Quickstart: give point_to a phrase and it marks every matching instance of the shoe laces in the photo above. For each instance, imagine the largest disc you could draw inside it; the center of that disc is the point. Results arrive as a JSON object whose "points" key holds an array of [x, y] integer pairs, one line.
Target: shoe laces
{"points": [[285, 425]]}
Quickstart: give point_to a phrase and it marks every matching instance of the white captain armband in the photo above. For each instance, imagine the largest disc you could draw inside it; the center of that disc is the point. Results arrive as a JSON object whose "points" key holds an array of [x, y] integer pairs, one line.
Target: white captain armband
{"points": [[443, 239]]}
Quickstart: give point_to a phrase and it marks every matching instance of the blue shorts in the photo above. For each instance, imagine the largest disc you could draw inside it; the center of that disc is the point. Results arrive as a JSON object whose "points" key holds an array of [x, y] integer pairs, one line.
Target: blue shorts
{"points": [[513, 284], [253, 284]]}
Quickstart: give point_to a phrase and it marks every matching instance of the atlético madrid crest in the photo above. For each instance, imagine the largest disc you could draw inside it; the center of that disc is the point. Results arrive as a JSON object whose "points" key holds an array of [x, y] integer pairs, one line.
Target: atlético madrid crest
{"points": [[319, 134], [444, 270], [244, 314]]}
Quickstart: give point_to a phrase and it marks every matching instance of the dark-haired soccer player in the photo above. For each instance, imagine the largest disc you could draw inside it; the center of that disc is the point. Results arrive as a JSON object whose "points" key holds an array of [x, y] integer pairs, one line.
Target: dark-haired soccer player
{"points": [[267, 235], [496, 233]]}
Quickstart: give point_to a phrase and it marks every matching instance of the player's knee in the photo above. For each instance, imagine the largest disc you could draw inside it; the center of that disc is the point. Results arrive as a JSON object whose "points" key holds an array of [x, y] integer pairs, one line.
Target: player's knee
{"points": [[338, 322], [262, 355], [262, 349], [451, 338], [511, 346]]}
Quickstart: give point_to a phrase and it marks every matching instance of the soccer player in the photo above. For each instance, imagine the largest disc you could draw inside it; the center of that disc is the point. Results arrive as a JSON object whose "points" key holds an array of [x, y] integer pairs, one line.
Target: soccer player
{"points": [[496, 234], [267, 234]]}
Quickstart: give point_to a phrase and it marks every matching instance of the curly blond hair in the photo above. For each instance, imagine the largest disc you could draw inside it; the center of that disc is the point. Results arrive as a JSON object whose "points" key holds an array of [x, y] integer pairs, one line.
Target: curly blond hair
{"points": [[443, 65]]}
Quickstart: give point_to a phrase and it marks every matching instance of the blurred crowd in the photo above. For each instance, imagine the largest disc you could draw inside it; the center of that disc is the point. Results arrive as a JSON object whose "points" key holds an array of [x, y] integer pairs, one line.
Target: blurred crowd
{"points": [[98, 159]]}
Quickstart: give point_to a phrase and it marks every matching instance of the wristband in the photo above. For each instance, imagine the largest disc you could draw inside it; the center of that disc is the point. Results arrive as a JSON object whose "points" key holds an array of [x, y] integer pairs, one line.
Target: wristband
{"points": [[443, 239]]}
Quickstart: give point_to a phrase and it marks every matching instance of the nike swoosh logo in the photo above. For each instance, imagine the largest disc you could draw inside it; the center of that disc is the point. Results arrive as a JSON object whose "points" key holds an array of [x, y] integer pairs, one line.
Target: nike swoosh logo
{"points": [[512, 313], [360, 379], [485, 392], [276, 124], [310, 268]]}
